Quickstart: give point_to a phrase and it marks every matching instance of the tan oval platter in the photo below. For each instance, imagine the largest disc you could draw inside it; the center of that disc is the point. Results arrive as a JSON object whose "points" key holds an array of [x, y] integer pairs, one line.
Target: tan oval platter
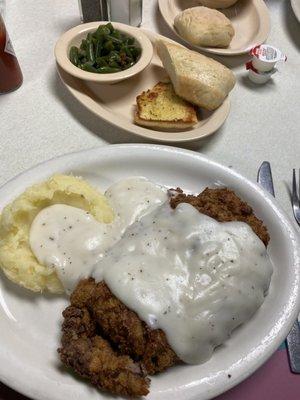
{"points": [[116, 103], [250, 19]]}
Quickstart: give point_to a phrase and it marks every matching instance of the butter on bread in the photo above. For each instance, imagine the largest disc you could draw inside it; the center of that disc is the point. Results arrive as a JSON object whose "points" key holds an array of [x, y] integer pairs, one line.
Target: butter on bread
{"points": [[196, 78], [161, 108]]}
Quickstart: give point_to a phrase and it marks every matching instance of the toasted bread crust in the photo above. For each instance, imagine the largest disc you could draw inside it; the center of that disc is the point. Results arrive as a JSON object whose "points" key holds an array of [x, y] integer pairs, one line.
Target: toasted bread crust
{"points": [[160, 107], [176, 125]]}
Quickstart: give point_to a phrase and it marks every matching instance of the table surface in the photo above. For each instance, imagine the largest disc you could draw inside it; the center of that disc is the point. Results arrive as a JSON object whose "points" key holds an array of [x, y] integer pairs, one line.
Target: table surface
{"points": [[41, 120]]}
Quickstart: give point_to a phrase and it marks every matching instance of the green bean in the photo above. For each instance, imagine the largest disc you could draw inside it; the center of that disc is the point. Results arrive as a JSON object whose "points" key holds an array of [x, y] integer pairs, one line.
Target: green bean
{"points": [[114, 56], [136, 52], [101, 62], [83, 45], [130, 64], [113, 64], [108, 70], [105, 50], [102, 30], [114, 39], [128, 52], [131, 41], [81, 53], [110, 27], [117, 35], [90, 52], [88, 67], [109, 46], [89, 37], [98, 49], [94, 41], [74, 56]]}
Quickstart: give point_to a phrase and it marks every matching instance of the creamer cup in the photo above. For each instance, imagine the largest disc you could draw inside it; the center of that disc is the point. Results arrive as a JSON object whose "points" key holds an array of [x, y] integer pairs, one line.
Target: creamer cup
{"points": [[258, 77], [265, 57]]}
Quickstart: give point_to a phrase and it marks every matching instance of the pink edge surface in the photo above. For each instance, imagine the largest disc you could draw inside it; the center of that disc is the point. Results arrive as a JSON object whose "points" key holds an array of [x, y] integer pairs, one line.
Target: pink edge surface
{"points": [[273, 381]]}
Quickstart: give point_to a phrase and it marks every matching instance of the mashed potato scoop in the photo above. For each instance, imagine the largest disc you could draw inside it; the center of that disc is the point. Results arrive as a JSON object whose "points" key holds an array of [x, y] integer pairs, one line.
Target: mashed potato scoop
{"points": [[16, 257]]}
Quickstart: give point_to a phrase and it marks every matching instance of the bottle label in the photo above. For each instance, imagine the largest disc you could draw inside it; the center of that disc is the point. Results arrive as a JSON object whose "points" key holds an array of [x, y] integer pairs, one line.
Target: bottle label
{"points": [[8, 46]]}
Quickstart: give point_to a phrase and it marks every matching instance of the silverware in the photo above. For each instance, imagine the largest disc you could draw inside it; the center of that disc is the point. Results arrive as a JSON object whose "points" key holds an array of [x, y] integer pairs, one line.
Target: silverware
{"points": [[296, 197], [293, 345], [264, 178]]}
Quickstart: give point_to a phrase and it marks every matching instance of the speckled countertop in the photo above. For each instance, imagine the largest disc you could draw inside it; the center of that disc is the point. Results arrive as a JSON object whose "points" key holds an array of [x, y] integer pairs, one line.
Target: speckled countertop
{"points": [[41, 120]]}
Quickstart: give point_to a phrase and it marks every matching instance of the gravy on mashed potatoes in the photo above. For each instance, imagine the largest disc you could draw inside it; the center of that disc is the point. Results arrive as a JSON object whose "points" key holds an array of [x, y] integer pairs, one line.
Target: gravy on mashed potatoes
{"points": [[179, 270], [16, 257], [71, 241]]}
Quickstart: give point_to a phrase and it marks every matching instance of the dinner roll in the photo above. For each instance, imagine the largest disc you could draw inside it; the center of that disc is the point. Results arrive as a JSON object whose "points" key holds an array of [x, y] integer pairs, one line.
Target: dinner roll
{"points": [[195, 77], [205, 27], [217, 3]]}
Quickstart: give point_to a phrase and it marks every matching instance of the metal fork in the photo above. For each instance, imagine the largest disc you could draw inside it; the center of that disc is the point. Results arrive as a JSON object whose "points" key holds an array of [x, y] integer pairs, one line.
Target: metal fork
{"points": [[296, 197]]}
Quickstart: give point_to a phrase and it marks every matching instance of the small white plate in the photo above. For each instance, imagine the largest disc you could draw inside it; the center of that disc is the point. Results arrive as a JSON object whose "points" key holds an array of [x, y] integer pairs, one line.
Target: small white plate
{"points": [[116, 103], [30, 323], [296, 8], [250, 19]]}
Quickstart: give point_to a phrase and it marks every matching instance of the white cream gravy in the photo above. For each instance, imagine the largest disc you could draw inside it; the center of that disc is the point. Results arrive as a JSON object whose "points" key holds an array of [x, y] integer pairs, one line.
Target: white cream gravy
{"points": [[72, 241], [193, 277], [179, 270]]}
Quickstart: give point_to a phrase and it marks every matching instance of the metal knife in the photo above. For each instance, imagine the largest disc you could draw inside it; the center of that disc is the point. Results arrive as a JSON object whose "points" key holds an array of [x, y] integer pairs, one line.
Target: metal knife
{"points": [[264, 178]]}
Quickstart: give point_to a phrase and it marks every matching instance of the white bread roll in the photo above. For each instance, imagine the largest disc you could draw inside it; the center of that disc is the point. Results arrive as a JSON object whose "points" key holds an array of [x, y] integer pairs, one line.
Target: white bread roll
{"points": [[205, 27], [217, 3], [196, 78]]}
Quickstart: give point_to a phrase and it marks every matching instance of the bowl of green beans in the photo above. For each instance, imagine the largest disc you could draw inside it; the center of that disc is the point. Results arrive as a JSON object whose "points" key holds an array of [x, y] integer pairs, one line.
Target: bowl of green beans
{"points": [[104, 52]]}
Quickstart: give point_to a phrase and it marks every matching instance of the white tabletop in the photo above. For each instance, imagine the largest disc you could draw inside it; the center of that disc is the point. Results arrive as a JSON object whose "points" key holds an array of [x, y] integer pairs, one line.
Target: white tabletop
{"points": [[41, 120]]}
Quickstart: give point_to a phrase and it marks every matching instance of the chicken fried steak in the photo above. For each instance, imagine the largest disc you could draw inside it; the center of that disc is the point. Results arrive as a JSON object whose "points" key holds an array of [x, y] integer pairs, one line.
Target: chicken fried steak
{"points": [[123, 328], [92, 357], [106, 342], [224, 206]]}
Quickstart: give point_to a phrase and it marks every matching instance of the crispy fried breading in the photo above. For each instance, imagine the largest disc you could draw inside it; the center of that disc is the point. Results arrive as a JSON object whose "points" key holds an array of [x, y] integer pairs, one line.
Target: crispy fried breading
{"points": [[124, 328], [77, 324], [92, 357], [223, 205], [106, 342]]}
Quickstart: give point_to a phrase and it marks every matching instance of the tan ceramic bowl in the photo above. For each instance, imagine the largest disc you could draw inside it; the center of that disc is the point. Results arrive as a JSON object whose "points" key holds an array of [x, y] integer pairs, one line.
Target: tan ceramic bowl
{"points": [[74, 36], [217, 3]]}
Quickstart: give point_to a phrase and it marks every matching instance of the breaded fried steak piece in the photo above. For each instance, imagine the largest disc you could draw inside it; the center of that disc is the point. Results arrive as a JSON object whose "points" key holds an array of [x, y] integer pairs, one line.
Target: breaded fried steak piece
{"points": [[92, 357], [123, 328], [106, 342], [224, 206]]}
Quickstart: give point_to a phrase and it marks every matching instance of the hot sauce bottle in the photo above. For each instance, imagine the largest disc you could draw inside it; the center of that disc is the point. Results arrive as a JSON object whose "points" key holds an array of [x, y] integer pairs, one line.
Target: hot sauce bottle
{"points": [[10, 72]]}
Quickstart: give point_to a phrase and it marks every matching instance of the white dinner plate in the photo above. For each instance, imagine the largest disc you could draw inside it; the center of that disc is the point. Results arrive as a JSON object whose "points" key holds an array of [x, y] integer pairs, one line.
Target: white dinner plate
{"points": [[116, 103], [250, 19], [30, 323], [296, 8]]}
